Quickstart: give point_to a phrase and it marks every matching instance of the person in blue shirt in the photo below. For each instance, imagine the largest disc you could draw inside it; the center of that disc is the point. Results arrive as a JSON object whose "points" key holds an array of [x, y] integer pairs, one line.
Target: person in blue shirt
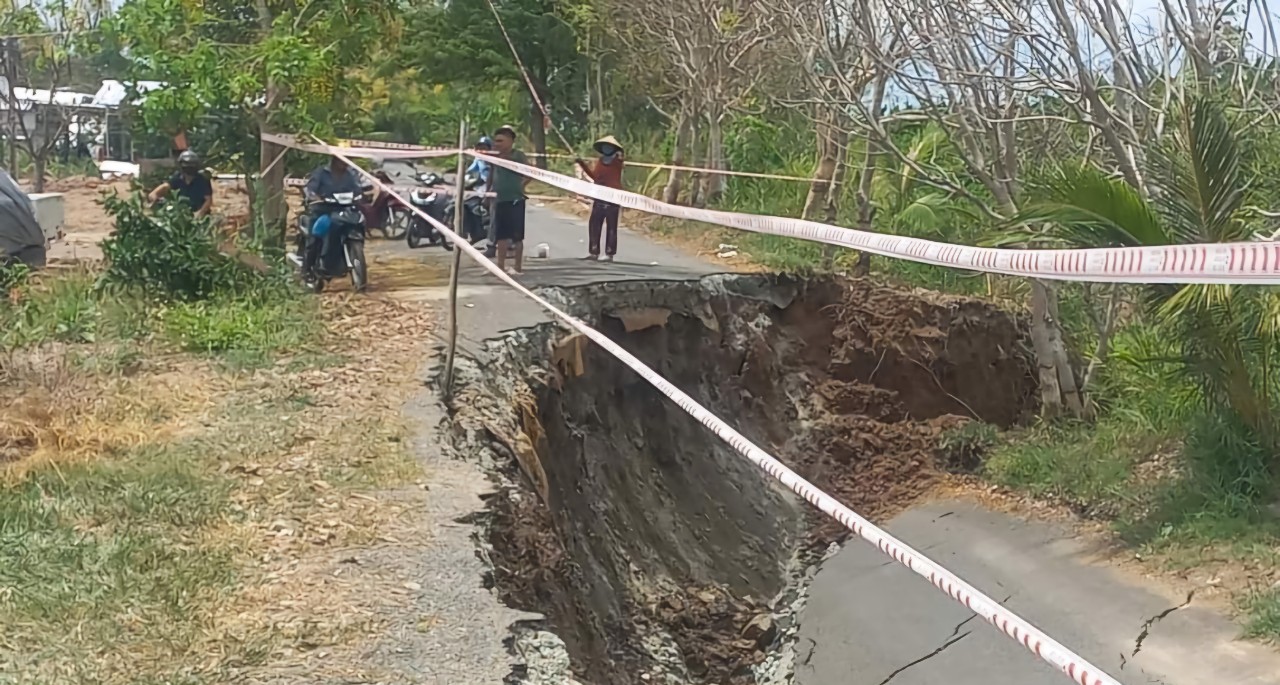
{"points": [[479, 167], [334, 178]]}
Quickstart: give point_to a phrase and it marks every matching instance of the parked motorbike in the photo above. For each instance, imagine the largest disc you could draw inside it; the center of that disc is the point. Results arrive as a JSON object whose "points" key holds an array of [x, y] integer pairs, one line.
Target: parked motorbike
{"points": [[343, 251], [433, 204], [475, 212], [387, 214]]}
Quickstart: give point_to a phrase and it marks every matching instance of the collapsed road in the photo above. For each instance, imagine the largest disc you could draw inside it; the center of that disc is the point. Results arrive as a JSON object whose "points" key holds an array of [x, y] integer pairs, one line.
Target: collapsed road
{"points": [[653, 553]]}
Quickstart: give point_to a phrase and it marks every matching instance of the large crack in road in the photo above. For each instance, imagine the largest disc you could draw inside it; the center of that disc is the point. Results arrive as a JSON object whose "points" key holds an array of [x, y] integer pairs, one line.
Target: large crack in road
{"points": [[655, 552]]}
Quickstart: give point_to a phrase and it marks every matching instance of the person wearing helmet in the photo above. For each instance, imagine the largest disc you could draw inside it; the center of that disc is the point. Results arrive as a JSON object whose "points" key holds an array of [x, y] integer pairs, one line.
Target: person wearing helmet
{"points": [[479, 167], [484, 170], [189, 183]]}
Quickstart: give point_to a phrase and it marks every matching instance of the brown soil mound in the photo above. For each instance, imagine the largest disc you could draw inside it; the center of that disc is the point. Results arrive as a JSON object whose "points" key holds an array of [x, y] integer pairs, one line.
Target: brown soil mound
{"points": [[645, 524]]}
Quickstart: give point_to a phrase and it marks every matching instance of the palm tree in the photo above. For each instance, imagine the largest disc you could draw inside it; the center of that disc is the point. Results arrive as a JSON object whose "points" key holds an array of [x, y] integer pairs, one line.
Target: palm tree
{"points": [[903, 208], [1227, 333]]}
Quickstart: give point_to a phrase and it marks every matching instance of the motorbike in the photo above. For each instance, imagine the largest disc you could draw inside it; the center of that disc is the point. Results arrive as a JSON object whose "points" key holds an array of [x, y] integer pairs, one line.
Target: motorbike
{"points": [[433, 204], [386, 214], [343, 251], [475, 212]]}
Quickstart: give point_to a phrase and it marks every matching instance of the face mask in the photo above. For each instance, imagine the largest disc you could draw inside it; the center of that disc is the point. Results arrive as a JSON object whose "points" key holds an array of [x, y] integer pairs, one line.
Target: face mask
{"points": [[609, 158]]}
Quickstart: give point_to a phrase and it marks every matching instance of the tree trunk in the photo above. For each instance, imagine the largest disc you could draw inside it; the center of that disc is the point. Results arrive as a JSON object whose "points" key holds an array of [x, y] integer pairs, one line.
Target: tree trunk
{"points": [[38, 163], [866, 179], [717, 184], [671, 192], [698, 190], [1042, 343], [274, 207], [697, 179], [538, 133], [1071, 395], [832, 192], [1059, 392], [825, 169], [836, 187]]}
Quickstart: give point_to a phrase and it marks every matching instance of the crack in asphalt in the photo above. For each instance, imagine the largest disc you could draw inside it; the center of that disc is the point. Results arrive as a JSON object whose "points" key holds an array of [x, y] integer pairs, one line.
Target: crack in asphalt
{"points": [[953, 638], [950, 641], [813, 647], [1146, 626]]}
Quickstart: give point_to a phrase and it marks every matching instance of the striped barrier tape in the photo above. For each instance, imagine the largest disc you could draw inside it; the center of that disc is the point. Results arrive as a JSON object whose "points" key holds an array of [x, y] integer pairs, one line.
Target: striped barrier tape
{"points": [[294, 182], [1012, 625], [1222, 263], [374, 144]]}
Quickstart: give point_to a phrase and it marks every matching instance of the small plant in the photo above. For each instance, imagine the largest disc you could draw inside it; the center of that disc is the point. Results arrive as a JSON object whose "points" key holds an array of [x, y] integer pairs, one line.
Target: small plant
{"points": [[168, 254], [13, 274], [965, 447]]}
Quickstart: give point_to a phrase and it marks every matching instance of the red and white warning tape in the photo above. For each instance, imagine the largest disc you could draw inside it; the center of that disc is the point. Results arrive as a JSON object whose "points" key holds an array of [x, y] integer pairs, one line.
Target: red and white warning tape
{"points": [[442, 190], [374, 144], [1043, 646], [1224, 263]]}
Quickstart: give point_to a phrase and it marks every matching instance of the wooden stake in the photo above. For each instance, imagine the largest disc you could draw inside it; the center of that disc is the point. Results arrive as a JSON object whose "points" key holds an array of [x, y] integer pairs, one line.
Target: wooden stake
{"points": [[458, 228]]}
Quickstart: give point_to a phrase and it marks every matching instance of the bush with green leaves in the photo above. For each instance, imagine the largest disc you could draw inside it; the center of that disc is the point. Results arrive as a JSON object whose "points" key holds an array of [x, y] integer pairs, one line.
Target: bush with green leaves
{"points": [[13, 274], [168, 253]]}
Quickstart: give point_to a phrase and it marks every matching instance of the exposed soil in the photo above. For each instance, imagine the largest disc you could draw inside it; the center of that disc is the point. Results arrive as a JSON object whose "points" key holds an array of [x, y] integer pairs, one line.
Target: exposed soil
{"points": [[656, 552]]}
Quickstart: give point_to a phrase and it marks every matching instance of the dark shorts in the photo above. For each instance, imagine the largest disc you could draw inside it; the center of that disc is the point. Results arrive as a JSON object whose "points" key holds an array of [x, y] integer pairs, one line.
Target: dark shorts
{"points": [[508, 221]]}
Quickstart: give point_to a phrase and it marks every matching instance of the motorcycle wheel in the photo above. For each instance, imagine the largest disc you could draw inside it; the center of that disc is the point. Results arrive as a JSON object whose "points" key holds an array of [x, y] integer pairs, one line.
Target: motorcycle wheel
{"points": [[397, 223], [313, 282], [412, 237], [359, 267]]}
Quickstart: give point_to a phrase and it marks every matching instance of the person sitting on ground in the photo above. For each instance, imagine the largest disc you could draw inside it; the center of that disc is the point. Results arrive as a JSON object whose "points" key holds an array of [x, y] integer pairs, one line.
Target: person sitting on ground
{"points": [[509, 200], [189, 183], [605, 171]]}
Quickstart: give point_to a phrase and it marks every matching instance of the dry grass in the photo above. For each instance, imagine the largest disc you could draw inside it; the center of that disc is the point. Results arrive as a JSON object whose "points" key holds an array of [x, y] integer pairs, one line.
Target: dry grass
{"points": [[167, 519], [58, 414]]}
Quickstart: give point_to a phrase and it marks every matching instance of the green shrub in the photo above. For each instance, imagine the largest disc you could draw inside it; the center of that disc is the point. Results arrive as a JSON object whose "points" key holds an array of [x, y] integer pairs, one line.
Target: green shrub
{"points": [[168, 253], [13, 274]]}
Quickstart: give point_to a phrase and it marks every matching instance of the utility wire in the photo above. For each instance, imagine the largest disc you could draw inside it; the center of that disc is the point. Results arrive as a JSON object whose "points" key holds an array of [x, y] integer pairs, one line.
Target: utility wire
{"points": [[524, 72]]}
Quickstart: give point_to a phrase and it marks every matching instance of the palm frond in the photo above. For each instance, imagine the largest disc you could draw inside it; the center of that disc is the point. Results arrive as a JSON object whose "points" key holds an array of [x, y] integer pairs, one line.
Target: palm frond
{"points": [[1198, 180], [1087, 208], [930, 213]]}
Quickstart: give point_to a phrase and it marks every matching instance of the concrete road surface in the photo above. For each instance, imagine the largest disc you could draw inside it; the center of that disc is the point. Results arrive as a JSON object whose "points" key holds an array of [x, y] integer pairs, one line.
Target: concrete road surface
{"points": [[871, 621], [487, 307]]}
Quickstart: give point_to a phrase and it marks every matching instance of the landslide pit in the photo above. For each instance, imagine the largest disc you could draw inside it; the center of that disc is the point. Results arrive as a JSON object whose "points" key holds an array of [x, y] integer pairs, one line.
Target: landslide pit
{"points": [[656, 553]]}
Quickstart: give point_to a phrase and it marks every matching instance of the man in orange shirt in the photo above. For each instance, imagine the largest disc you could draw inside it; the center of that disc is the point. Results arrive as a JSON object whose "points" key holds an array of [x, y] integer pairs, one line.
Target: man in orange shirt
{"points": [[605, 171]]}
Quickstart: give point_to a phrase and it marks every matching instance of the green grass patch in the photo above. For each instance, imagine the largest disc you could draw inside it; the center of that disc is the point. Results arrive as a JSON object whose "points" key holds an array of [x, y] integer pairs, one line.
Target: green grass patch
{"points": [[1185, 486], [112, 553], [241, 325], [1263, 611], [248, 329], [1089, 467]]}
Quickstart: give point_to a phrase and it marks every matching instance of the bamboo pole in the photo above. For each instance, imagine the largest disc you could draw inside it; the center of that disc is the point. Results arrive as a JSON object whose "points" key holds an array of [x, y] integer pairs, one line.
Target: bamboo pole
{"points": [[458, 201]]}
